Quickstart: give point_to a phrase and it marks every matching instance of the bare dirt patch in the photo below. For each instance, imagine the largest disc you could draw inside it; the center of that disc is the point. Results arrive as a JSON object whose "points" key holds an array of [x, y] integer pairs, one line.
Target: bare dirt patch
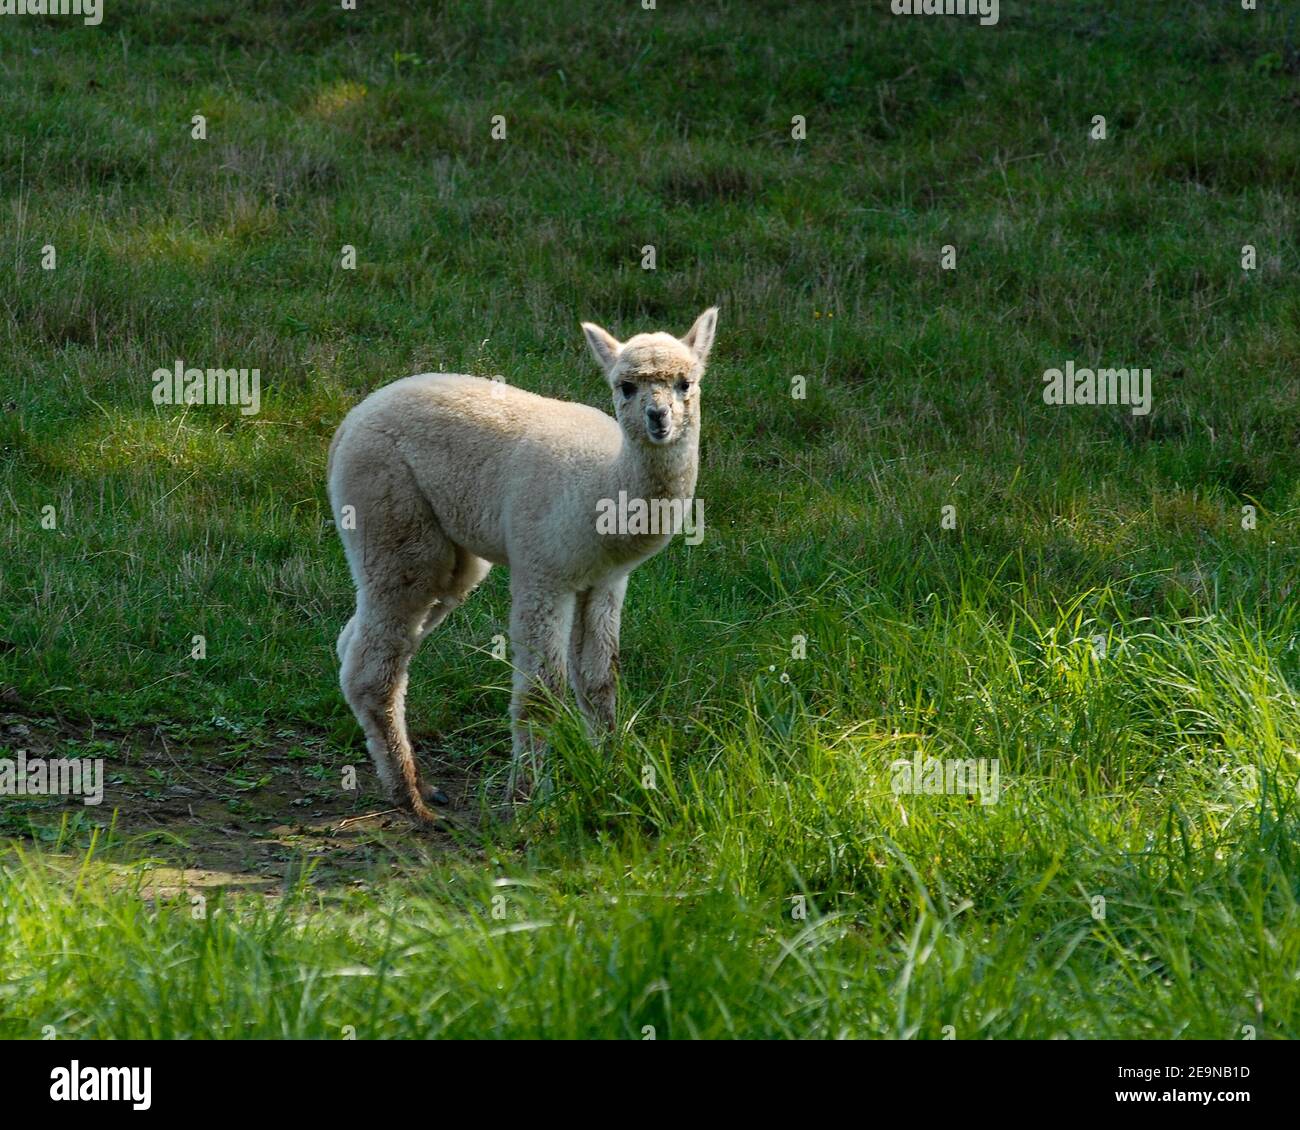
{"points": [[248, 811]]}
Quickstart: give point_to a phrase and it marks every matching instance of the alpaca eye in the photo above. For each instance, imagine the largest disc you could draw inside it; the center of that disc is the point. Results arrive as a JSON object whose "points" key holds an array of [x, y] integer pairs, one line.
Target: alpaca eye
{"points": [[683, 386], [627, 388]]}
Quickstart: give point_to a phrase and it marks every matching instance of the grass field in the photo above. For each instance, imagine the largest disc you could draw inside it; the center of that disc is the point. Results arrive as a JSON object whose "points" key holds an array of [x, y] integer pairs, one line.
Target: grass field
{"points": [[1101, 616]]}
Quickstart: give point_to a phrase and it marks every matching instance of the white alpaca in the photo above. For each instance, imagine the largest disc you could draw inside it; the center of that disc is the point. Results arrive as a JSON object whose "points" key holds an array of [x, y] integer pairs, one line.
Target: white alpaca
{"points": [[435, 478]]}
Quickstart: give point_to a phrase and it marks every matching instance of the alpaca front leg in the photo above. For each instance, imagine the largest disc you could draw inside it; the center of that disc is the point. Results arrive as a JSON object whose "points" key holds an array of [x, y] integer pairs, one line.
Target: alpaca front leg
{"points": [[593, 655], [540, 624]]}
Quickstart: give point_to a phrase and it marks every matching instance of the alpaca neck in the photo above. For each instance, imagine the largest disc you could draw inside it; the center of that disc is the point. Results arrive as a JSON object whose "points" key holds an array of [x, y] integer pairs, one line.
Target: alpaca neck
{"points": [[646, 471]]}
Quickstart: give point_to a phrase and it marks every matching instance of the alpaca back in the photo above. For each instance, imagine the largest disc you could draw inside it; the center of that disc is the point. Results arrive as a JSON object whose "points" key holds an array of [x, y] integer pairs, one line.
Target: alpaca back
{"points": [[504, 470]]}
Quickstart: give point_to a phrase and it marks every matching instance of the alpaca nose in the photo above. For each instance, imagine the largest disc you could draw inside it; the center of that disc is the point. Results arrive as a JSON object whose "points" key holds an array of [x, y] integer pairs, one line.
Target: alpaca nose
{"points": [[657, 416]]}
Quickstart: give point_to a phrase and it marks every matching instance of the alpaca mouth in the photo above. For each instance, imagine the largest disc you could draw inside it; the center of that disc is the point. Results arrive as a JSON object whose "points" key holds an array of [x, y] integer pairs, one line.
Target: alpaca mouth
{"points": [[658, 435]]}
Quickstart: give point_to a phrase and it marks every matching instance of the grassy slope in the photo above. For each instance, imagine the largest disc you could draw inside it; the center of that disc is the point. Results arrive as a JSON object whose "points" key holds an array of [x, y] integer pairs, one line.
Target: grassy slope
{"points": [[1161, 777]]}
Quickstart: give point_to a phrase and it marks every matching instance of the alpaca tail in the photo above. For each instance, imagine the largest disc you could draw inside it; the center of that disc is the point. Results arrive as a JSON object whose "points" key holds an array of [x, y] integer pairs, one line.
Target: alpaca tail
{"points": [[334, 443]]}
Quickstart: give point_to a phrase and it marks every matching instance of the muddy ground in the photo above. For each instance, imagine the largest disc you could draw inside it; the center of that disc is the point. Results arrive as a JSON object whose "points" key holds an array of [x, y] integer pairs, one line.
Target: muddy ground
{"points": [[253, 812]]}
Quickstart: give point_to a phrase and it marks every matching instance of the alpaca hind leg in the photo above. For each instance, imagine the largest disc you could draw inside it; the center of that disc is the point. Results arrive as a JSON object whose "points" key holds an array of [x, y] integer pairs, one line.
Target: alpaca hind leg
{"points": [[468, 572], [374, 684], [403, 563]]}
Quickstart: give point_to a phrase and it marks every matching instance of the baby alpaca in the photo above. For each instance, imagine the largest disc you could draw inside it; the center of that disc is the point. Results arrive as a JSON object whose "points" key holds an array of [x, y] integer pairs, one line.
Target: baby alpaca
{"points": [[435, 478]]}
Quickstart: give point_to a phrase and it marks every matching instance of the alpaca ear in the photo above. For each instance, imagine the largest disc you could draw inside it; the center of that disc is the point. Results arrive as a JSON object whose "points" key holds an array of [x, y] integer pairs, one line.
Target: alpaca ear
{"points": [[604, 346], [699, 338]]}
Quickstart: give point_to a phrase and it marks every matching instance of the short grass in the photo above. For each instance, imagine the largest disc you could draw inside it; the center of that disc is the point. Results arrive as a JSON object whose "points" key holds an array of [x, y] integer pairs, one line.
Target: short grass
{"points": [[1101, 620]]}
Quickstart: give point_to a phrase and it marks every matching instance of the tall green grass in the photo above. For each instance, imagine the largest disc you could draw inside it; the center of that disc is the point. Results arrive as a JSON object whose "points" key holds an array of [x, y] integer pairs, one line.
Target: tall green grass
{"points": [[757, 876]]}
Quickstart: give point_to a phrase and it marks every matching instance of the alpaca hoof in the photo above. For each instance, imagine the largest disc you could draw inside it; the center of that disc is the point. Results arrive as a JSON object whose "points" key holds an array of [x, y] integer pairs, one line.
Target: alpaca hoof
{"points": [[425, 817], [434, 795], [414, 807]]}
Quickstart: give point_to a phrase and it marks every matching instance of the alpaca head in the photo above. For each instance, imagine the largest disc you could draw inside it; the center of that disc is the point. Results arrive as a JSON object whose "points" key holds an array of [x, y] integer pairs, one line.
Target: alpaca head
{"points": [[655, 379]]}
